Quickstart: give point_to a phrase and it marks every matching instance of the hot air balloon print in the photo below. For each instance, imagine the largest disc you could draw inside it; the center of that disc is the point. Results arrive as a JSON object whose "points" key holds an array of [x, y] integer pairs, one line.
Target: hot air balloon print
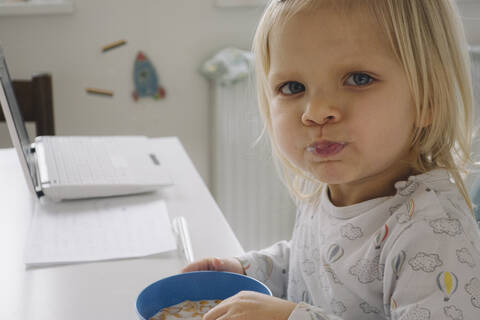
{"points": [[334, 253], [411, 208], [306, 297], [268, 267], [381, 236], [393, 303], [447, 283], [397, 263]]}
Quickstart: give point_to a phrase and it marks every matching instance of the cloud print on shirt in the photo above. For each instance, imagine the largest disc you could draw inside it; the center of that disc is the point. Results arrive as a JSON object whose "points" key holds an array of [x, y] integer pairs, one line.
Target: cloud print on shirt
{"points": [[367, 270], [308, 267], [417, 313], [473, 288], [368, 308], [451, 227], [453, 313], [351, 232], [338, 307], [406, 188], [425, 262], [464, 256]]}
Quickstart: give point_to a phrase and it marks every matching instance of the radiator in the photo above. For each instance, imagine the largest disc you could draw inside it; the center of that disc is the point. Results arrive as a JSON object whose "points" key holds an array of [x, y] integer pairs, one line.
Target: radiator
{"points": [[244, 181], [475, 61]]}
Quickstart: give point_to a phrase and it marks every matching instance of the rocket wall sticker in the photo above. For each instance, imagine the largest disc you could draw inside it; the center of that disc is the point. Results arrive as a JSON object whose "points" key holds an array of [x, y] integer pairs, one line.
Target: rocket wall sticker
{"points": [[145, 79]]}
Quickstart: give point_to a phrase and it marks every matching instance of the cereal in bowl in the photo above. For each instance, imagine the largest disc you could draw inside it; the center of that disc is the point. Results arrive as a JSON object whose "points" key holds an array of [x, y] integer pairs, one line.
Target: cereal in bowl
{"points": [[192, 310]]}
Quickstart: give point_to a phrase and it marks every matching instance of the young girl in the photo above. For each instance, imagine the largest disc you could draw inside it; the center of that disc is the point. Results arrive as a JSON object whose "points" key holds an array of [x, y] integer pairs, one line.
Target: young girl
{"points": [[368, 107]]}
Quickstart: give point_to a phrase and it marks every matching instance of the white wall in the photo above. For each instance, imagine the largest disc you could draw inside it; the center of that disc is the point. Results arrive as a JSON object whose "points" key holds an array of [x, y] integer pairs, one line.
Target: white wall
{"points": [[177, 35], [470, 12]]}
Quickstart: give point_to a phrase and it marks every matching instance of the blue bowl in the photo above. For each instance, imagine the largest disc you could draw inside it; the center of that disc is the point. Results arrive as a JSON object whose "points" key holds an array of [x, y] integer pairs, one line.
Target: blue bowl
{"points": [[194, 286]]}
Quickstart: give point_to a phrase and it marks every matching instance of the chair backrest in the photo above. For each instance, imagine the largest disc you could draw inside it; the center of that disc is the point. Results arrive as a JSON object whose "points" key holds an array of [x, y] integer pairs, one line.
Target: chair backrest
{"points": [[35, 100]]}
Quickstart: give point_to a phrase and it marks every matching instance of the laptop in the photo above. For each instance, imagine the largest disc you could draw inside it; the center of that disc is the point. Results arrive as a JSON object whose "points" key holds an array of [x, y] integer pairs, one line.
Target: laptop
{"points": [[79, 167]]}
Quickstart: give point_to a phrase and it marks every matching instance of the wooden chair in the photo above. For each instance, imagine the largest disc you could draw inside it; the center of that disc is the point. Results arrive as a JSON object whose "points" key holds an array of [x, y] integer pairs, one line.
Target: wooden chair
{"points": [[35, 100]]}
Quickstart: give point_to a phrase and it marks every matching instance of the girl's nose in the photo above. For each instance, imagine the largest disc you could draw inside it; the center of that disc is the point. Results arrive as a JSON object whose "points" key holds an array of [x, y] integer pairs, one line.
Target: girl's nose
{"points": [[320, 114]]}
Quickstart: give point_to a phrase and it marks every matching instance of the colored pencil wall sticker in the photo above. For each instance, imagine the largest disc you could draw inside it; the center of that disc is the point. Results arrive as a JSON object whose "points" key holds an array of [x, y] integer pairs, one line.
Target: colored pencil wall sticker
{"points": [[145, 79]]}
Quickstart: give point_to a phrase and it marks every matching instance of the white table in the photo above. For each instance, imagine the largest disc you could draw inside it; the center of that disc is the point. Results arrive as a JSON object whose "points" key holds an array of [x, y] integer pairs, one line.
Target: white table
{"points": [[101, 290]]}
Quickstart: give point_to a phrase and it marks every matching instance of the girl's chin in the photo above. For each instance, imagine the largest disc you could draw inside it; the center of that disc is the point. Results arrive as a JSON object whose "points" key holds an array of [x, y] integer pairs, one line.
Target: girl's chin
{"points": [[329, 172], [331, 177]]}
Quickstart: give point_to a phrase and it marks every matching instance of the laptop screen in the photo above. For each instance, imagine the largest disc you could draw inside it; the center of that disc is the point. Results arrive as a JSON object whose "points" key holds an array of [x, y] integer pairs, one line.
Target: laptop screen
{"points": [[16, 126]]}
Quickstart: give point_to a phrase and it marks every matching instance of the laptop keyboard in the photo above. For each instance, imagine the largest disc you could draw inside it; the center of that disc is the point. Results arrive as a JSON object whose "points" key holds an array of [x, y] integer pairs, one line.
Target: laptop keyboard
{"points": [[86, 161]]}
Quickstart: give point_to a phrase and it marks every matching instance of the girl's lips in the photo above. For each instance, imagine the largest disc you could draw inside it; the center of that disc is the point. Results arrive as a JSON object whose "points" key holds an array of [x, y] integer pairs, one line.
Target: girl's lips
{"points": [[326, 148]]}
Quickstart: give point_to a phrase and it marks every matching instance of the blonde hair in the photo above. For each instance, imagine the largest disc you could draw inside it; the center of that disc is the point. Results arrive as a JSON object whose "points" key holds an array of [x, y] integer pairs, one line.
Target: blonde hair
{"points": [[428, 40]]}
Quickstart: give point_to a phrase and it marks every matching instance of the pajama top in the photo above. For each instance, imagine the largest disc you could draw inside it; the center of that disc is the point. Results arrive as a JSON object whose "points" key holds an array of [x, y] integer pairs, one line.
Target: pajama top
{"points": [[411, 256]]}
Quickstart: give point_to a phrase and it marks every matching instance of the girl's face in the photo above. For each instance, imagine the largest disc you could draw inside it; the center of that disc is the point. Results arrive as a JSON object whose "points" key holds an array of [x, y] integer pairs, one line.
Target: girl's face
{"points": [[340, 103]]}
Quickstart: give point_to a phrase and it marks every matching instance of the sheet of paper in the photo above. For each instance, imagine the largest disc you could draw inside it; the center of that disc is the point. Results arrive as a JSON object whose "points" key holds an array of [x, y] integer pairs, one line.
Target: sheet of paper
{"points": [[100, 229]]}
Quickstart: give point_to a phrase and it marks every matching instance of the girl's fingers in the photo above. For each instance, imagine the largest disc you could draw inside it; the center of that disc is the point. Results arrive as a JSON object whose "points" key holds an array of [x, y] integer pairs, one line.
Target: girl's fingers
{"points": [[216, 313], [220, 265], [216, 264], [198, 266], [231, 265], [205, 264], [191, 267]]}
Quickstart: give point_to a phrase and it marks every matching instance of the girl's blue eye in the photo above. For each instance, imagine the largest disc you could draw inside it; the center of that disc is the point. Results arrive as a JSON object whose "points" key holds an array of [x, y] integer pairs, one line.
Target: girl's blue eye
{"points": [[359, 79], [291, 87]]}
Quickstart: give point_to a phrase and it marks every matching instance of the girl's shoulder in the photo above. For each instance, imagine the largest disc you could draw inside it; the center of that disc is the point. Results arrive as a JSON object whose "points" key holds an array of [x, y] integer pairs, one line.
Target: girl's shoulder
{"points": [[432, 195], [432, 241], [437, 180], [430, 206]]}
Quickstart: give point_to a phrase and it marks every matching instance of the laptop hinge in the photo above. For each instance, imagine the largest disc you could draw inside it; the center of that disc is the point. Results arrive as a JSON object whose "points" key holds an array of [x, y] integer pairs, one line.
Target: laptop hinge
{"points": [[36, 176]]}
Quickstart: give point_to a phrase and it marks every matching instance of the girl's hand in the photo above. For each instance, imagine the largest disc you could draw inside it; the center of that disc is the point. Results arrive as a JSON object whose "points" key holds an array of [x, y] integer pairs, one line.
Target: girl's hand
{"points": [[249, 305], [215, 264]]}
